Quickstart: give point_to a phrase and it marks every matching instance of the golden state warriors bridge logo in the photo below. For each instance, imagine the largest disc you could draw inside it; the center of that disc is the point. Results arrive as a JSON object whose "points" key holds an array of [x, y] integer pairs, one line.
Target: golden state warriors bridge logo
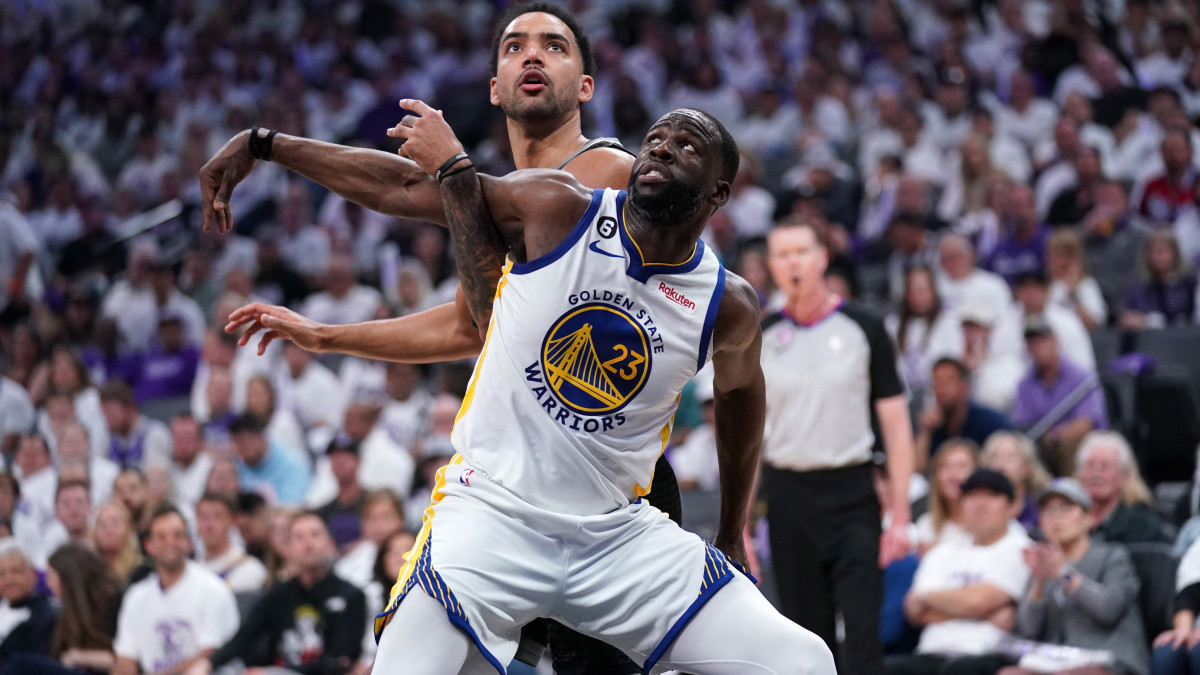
{"points": [[596, 358]]}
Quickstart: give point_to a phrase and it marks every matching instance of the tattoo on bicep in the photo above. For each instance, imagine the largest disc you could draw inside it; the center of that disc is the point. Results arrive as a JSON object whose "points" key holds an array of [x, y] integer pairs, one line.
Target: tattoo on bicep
{"points": [[477, 246]]}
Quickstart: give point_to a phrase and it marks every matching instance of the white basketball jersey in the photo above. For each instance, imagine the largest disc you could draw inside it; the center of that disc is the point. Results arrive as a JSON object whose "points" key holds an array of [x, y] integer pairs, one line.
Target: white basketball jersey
{"points": [[573, 397]]}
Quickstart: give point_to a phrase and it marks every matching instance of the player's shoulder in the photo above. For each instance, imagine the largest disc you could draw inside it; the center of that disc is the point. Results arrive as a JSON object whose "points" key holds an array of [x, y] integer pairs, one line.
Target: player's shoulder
{"points": [[738, 312], [602, 167]]}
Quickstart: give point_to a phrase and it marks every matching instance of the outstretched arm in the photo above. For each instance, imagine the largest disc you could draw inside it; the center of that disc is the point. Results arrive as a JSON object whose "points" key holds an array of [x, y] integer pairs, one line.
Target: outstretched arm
{"points": [[376, 180], [739, 408], [431, 336]]}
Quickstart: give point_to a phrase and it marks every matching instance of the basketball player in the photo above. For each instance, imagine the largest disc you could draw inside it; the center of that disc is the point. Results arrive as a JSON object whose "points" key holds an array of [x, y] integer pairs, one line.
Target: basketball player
{"points": [[609, 303], [542, 63]]}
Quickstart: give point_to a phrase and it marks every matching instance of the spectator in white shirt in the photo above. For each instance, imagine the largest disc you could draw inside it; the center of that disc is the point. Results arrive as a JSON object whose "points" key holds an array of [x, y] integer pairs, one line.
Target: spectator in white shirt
{"points": [[1033, 299], [384, 463], [178, 615], [229, 561], [964, 593], [72, 509], [343, 301], [961, 283], [282, 425], [143, 173], [305, 246], [17, 415], [190, 463], [313, 392], [1072, 287], [73, 446], [407, 403], [35, 471], [1027, 118]]}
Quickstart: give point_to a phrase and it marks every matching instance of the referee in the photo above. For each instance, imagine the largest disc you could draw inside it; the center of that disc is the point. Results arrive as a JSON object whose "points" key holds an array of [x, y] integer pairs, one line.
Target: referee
{"points": [[828, 364]]}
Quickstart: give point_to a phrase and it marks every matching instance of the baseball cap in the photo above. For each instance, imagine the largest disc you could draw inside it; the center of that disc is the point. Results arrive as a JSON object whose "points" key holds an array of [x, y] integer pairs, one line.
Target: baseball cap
{"points": [[342, 443], [991, 480], [1037, 326], [1069, 489], [976, 314]]}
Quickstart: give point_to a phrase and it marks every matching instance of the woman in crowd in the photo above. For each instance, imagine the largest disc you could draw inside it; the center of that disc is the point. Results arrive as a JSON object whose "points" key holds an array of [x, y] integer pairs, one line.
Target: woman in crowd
{"points": [[382, 516], [69, 376], [1072, 287], [388, 561], [953, 463], [116, 540], [90, 594], [912, 326], [223, 478], [1083, 592], [1012, 454], [1166, 292], [968, 188]]}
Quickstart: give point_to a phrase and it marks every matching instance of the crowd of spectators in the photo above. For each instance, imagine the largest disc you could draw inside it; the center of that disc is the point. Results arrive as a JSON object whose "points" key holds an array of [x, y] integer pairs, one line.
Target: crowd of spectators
{"points": [[998, 177]]}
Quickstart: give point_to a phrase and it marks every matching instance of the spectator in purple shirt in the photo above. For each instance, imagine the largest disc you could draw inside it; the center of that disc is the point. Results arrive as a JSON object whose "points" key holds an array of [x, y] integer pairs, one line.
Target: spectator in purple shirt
{"points": [[1022, 245], [1057, 393], [168, 369], [1166, 292]]}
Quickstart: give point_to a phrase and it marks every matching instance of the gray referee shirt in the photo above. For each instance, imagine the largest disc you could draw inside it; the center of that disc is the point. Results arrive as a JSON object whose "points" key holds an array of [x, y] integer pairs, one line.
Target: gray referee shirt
{"points": [[822, 382]]}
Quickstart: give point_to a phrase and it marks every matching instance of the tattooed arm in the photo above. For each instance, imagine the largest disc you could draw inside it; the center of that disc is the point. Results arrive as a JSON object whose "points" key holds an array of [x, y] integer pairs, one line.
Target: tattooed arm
{"points": [[477, 244]]}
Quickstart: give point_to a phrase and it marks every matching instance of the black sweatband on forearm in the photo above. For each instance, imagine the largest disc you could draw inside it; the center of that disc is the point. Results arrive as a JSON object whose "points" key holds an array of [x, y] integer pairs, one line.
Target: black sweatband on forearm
{"points": [[260, 148], [455, 172], [447, 164]]}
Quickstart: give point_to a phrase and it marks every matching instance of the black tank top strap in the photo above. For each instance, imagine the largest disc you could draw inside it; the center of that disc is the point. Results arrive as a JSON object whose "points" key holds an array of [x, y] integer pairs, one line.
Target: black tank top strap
{"points": [[592, 145]]}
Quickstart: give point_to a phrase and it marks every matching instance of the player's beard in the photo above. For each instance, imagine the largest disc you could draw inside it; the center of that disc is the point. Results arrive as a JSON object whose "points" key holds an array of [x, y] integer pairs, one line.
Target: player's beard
{"points": [[550, 107], [673, 205]]}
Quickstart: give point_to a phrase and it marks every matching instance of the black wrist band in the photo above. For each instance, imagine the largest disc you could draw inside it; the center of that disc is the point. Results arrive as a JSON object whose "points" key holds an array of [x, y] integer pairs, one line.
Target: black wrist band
{"points": [[449, 163], [260, 148], [455, 172]]}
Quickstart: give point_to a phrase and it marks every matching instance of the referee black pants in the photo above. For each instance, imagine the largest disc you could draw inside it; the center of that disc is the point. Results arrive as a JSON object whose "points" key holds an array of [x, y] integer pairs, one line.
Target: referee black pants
{"points": [[824, 533]]}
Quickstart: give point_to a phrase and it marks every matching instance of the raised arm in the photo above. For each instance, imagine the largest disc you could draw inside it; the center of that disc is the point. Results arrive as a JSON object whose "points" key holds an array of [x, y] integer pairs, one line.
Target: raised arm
{"points": [[739, 408], [376, 180], [518, 213]]}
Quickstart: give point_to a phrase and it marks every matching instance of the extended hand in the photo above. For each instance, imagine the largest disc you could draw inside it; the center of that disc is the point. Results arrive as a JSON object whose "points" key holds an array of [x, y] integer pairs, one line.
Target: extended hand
{"points": [[429, 141], [279, 322], [219, 175]]}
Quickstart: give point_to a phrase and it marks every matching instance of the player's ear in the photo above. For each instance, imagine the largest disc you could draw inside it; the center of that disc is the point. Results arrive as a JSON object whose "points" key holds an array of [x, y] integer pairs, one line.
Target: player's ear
{"points": [[587, 87], [720, 194], [495, 97]]}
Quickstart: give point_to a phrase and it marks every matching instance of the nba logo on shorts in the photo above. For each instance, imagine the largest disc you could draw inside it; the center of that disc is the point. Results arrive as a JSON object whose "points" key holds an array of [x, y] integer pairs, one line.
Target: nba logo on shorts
{"points": [[596, 359], [465, 477]]}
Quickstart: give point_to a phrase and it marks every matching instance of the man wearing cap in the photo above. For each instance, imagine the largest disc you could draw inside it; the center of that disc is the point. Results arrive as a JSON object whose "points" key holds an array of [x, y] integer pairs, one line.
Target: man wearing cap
{"points": [[964, 592], [1083, 592], [995, 367], [343, 513], [1057, 396]]}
